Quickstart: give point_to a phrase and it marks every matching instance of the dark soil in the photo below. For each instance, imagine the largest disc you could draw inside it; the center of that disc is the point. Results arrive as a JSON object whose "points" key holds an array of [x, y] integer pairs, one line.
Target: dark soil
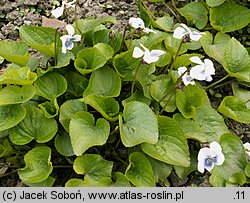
{"points": [[14, 13]]}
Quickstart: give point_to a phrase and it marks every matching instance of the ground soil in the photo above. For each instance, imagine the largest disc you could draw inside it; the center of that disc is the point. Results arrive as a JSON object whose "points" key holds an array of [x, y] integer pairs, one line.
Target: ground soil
{"points": [[14, 13]]}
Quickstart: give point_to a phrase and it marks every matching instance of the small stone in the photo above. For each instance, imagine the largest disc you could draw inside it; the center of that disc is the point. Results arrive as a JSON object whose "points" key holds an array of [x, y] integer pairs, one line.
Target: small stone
{"points": [[27, 22]]}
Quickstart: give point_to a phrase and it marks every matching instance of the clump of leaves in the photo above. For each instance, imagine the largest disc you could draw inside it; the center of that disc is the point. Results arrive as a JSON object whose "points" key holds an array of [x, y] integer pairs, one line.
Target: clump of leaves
{"points": [[121, 108]]}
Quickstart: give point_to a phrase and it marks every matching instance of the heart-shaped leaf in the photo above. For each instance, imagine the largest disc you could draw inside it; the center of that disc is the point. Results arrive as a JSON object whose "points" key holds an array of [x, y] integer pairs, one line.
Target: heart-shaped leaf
{"points": [[40, 38], [50, 108], [18, 76], [195, 13], [93, 166], [108, 107], [215, 48], [15, 52], [229, 17], [63, 144], [34, 126], [91, 59], [84, 133], [86, 25], [11, 115], [68, 109], [139, 171], [16, 94], [233, 107], [235, 157], [104, 82], [158, 90], [46, 183], [51, 85], [187, 102], [38, 166], [6, 149], [237, 60], [138, 124], [172, 147], [75, 182]]}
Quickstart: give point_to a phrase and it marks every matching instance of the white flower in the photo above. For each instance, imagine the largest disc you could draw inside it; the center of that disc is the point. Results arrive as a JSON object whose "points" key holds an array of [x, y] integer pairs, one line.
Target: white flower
{"points": [[202, 71], [67, 40], [207, 157], [180, 32], [247, 148], [186, 78], [148, 56], [59, 10], [138, 23]]}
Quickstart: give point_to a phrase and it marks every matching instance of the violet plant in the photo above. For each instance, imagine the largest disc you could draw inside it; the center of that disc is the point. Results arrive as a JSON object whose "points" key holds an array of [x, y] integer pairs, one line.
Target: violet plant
{"points": [[128, 109]]}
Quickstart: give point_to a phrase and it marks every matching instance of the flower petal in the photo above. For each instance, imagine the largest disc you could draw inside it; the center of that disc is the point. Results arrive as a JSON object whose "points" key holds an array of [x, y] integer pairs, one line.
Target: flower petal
{"points": [[215, 146], [76, 38], [247, 146], [136, 23], [201, 166], [145, 49], [148, 58], [195, 36], [58, 11], [147, 30], [137, 53], [186, 28], [219, 159], [179, 32], [208, 78], [205, 153], [182, 70], [157, 53], [187, 79], [70, 4], [70, 29], [198, 72], [209, 167], [209, 67], [196, 59], [65, 38]]}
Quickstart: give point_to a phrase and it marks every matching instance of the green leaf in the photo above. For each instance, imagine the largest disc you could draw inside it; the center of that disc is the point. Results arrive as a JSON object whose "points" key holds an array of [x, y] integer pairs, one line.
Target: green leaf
{"points": [[11, 115], [191, 128], [237, 60], [93, 166], [86, 25], [75, 182], [68, 109], [138, 124], [84, 133], [108, 107], [166, 22], [114, 39], [137, 96], [15, 52], [16, 94], [104, 82], [172, 147], [40, 38], [237, 178], [6, 149], [235, 158], [211, 122], [34, 126], [233, 107], [46, 183], [49, 108], [195, 13], [90, 59], [18, 76], [229, 17], [187, 102], [242, 94], [184, 60], [51, 85], [213, 3], [215, 48], [158, 90], [161, 170], [120, 181], [217, 181], [38, 165], [139, 171], [63, 144], [77, 84], [183, 172], [247, 170]]}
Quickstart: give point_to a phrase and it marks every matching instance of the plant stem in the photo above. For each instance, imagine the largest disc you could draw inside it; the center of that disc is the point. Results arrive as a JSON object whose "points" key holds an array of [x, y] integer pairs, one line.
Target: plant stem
{"points": [[63, 166], [7, 174], [133, 34], [136, 73], [124, 162], [149, 12], [176, 16], [75, 12], [217, 82], [123, 37], [177, 54]]}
